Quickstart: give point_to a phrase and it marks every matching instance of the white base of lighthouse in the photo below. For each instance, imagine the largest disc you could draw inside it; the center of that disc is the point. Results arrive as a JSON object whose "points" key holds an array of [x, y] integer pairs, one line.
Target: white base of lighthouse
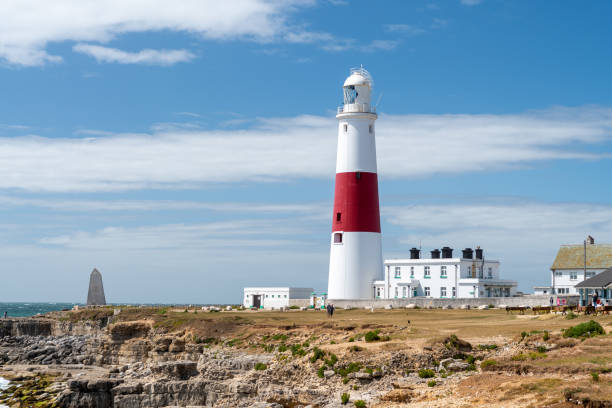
{"points": [[354, 264]]}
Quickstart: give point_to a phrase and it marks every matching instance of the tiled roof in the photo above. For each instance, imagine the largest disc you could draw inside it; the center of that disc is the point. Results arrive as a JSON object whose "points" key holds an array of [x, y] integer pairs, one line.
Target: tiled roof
{"points": [[599, 256], [601, 280]]}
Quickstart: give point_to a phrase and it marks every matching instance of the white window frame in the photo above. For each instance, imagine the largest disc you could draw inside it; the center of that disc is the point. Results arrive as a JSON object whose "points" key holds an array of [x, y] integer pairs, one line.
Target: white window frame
{"points": [[454, 291], [404, 291], [396, 292], [427, 291], [573, 275], [427, 272], [412, 271], [398, 272], [443, 271], [442, 291], [490, 272]]}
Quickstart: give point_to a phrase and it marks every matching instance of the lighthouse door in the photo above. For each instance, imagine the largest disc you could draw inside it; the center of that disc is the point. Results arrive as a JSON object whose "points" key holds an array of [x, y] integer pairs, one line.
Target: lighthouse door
{"points": [[257, 301]]}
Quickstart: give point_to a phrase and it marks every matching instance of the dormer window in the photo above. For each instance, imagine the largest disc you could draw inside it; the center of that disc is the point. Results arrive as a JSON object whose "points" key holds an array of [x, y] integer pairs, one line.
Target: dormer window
{"points": [[337, 238]]}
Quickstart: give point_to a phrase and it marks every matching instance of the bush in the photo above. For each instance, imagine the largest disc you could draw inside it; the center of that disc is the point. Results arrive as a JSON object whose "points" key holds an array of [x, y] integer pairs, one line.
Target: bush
{"points": [[586, 329], [431, 383], [345, 398], [332, 342], [372, 336], [345, 380], [260, 366], [523, 335], [351, 368], [293, 307], [306, 344], [487, 363], [595, 376], [571, 315], [536, 356], [443, 374], [519, 357], [426, 373], [470, 359], [355, 348], [320, 371], [541, 349], [471, 367], [282, 348], [297, 350], [282, 337], [360, 404], [317, 353], [352, 339], [332, 360], [487, 346], [546, 336]]}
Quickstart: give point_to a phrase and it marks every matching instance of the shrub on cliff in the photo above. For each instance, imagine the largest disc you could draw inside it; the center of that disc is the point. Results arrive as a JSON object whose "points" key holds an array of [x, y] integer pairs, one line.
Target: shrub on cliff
{"points": [[260, 366], [586, 329], [426, 373], [345, 398], [372, 336]]}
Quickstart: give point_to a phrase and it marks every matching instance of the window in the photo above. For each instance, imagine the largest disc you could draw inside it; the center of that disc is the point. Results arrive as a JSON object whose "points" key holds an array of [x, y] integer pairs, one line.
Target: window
{"points": [[285, 296], [469, 274], [378, 292], [480, 272], [396, 291], [338, 238], [454, 291], [415, 293], [506, 292], [443, 291], [573, 275], [590, 274], [443, 271], [404, 291], [427, 273], [398, 273], [371, 128], [427, 292], [338, 217], [345, 128], [558, 273], [490, 272], [412, 271], [266, 295]]}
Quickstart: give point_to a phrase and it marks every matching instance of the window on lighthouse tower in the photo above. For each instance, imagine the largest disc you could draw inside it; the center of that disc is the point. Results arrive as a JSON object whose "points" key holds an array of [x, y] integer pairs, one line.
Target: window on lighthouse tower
{"points": [[337, 238]]}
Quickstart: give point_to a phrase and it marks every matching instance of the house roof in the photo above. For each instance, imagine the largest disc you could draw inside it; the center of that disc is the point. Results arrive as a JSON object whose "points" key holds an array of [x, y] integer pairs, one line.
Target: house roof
{"points": [[601, 280], [599, 256]]}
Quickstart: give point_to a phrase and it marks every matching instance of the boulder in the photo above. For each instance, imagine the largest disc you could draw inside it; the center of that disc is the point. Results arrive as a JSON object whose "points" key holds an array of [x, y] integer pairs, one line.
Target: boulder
{"points": [[483, 307], [411, 306]]}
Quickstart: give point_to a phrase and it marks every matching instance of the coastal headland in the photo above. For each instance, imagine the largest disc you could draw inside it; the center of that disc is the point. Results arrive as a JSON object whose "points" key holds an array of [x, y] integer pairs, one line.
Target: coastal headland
{"points": [[136, 357]]}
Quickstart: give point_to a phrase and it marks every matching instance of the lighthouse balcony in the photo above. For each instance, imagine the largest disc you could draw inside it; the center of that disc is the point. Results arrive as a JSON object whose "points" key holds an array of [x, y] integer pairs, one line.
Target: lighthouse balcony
{"points": [[357, 108]]}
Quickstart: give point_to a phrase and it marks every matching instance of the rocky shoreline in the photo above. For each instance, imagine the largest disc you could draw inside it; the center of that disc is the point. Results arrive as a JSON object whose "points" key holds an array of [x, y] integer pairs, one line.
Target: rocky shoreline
{"points": [[141, 363]]}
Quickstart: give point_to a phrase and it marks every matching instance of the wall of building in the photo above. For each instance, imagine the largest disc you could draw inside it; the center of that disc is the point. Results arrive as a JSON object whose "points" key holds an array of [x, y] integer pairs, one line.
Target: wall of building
{"points": [[562, 279], [454, 303]]}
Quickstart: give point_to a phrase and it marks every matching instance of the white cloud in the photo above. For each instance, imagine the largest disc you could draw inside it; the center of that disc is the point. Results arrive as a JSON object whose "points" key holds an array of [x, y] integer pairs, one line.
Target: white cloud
{"points": [[404, 29], [28, 26], [146, 56], [281, 149]]}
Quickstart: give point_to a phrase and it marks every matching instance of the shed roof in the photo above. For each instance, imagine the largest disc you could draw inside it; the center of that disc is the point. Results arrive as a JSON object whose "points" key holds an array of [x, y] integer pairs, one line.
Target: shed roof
{"points": [[599, 256], [601, 280]]}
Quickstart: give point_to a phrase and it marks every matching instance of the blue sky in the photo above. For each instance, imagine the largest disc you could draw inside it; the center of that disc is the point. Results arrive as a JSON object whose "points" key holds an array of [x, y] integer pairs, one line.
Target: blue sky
{"points": [[189, 151]]}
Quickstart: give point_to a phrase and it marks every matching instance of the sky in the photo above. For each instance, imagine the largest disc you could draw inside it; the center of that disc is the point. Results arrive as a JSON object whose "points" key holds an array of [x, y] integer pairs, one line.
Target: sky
{"points": [[186, 148]]}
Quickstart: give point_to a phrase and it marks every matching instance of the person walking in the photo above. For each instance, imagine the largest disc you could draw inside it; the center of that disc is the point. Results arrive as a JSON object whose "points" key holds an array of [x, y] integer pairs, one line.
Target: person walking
{"points": [[5, 314], [331, 310]]}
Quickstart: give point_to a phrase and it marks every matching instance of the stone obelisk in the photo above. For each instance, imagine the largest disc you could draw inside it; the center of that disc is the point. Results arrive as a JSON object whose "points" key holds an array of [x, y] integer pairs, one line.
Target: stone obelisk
{"points": [[95, 296]]}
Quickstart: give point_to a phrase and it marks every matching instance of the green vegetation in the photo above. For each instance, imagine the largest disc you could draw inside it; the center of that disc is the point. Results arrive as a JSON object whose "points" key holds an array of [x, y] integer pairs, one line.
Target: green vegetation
{"points": [[431, 383], [332, 360], [536, 355], [352, 339], [523, 335], [356, 348], [306, 344], [571, 315], [351, 368], [317, 353], [360, 404], [372, 336], [260, 366], [595, 376], [470, 359], [282, 337], [546, 336], [293, 307], [345, 380], [519, 357], [345, 398], [487, 363], [542, 349], [426, 373], [297, 350], [332, 342], [321, 371], [487, 346], [586, 329]]}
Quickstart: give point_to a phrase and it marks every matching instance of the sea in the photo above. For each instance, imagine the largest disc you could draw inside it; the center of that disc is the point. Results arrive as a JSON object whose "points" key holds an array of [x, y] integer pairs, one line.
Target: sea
{"points": [[20, 309]]}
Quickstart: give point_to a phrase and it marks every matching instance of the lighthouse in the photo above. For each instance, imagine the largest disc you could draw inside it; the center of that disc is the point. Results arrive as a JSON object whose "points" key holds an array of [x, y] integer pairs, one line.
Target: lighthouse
{"points": [[355, 260]]}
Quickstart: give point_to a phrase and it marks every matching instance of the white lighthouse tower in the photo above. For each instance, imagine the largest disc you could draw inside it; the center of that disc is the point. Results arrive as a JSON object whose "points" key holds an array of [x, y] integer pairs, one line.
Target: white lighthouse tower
{"points": [[355, 260]]}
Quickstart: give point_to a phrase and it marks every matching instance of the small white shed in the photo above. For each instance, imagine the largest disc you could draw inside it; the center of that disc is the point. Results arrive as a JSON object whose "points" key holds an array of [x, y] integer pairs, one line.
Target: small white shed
{"points": [[275, 298]]}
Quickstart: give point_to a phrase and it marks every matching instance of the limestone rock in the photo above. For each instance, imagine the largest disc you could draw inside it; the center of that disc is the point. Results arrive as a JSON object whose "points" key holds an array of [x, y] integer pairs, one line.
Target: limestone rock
{"points": [[95, 296]]}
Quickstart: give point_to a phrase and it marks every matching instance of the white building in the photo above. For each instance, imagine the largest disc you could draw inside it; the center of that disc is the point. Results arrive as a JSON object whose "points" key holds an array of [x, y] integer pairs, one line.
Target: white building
{"points": [[275, 298], [575, 263], [443, 276]]}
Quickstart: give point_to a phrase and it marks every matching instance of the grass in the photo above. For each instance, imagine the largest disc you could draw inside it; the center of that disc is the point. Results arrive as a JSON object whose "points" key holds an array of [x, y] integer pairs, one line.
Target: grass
{"points": [[317, 353], [431, 383], [487, 363], [360, 404], [595, 376], [426, 373], [344, 399], [260, 366]]}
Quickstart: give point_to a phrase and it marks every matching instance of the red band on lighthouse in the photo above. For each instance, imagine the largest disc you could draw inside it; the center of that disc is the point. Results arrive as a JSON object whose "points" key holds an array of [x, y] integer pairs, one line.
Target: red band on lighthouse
{"points": [[356, 203]]}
